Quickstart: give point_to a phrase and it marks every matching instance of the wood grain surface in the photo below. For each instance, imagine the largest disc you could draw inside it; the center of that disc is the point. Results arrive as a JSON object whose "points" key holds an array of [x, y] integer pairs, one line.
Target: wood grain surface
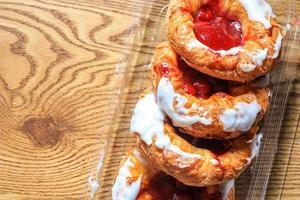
{"points": [[63, 98], [58, 72]]}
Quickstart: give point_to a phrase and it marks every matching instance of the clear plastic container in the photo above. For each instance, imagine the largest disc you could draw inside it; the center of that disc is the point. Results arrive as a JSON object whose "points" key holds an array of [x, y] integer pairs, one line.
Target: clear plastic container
{"points": [[134, 78]]}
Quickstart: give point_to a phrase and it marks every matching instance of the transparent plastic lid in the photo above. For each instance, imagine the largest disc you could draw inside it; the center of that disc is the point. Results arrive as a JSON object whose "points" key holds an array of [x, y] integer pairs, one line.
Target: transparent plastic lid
{"points": [[253, 183]]}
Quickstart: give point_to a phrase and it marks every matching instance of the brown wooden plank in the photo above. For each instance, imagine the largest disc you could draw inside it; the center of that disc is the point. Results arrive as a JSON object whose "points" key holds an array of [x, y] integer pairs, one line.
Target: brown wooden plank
{"points": [[57, 80], [57, 93]]}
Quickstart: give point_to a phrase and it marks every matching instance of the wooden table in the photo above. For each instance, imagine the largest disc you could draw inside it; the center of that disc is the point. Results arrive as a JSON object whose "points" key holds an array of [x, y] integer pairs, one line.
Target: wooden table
{"points": [[60, 75]]}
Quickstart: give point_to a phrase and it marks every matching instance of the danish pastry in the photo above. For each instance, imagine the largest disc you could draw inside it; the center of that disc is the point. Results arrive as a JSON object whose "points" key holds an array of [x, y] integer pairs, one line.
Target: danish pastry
{"points": [[137, 180], [194, 163], [235, 40], [203, 106]]}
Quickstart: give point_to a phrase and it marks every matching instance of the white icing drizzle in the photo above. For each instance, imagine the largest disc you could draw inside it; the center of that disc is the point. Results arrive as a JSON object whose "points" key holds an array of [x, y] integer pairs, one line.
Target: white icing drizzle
{"points": [[225, 188], [240, 117], [214, 161], [257, 57], [194, 43], [247, 67], [277, 46], [166, 97], [148, 122], [258, 10], [255, 146], [121, 190]]}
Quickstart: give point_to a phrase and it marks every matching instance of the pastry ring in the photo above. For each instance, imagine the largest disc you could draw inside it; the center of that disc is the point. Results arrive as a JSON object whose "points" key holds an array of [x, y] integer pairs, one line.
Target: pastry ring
{"points": [[203, 106], [136, 180], [236, 40], [192, 165]]}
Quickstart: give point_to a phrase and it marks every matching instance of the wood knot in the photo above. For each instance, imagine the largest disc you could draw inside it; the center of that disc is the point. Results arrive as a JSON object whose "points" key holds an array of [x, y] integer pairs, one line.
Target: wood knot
{"points": [[43, 131]]}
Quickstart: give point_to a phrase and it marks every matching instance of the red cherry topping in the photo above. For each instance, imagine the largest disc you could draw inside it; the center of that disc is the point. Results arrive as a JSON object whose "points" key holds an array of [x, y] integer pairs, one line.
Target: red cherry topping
{"points": [[189, 88], [202, 86], [215, 31], [197, 87], [204, 14], [164, 70], [198, 84]]}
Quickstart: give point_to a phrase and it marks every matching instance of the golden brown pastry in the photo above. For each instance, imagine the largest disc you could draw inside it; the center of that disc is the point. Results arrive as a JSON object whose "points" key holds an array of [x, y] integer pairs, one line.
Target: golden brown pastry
{"points": [[136, 180], [192, 162], [203, 106], [235, 40]]}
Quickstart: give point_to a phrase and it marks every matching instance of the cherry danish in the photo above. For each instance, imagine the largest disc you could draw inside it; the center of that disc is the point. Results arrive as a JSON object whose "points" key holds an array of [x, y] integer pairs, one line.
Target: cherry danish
{"points": [[235, 40], [204, 106], [188, 161]]}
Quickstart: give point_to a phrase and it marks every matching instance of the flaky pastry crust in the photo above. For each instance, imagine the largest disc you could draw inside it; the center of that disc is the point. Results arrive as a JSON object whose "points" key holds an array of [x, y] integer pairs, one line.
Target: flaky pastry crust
{"points": [[211, 108], [229, 67], [205, 170]]}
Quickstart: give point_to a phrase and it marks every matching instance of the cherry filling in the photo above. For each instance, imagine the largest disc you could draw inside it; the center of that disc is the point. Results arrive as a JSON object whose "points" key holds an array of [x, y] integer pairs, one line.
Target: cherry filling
{"points": [[164, 187], [200, 85], [215, 30], [164, 70], [196, 85], [194, 82]]}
